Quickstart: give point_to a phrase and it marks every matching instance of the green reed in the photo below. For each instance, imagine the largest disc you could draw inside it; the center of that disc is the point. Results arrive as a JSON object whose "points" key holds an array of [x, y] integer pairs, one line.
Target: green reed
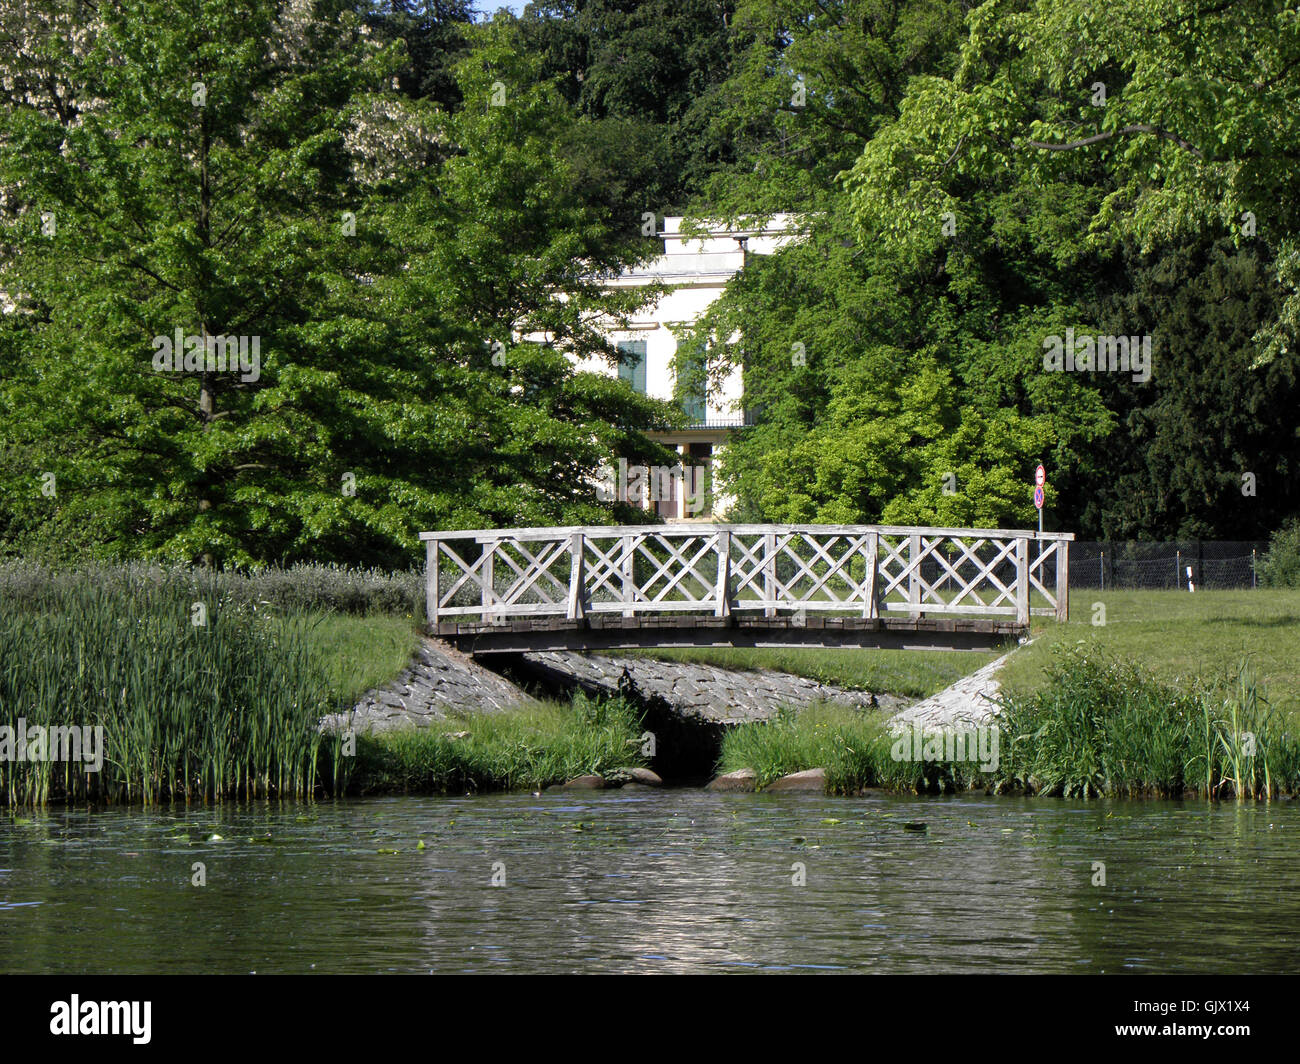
{"points": [[219, 709], [1098, 726]]}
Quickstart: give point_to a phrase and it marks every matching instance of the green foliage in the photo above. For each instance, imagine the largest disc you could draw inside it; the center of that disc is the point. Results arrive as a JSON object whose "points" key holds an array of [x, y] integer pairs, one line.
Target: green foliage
{"points": [[1097, 727], [531, 746], [306, 588], [394, 393], [881, 399], [644, 77], [228, 708], [894, 357], [972, 179], [1174, 466], [1280, 566], [1101, 726]]}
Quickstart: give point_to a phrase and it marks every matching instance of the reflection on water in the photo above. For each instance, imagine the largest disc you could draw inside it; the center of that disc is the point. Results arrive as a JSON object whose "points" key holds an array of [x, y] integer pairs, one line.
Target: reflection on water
{"points": [[654, 881]]}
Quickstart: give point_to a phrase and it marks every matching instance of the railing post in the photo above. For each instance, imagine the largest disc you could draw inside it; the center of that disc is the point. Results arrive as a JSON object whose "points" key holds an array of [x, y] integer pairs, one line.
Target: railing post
{"points": [[431, 594], [1062, 580], [487, 579], [869, 608], [577, 574], [769, 573], [1022, 580], [629, 574], [914, 576], [723, 592]]}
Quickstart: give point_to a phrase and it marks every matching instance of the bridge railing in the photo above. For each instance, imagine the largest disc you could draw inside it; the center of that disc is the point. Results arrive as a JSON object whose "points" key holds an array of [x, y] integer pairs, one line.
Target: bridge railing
{"points": [[499, 575]]}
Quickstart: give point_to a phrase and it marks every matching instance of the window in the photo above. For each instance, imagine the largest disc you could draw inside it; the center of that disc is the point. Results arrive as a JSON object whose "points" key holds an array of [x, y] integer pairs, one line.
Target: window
{"points": [[691, 384], [632, 369]]}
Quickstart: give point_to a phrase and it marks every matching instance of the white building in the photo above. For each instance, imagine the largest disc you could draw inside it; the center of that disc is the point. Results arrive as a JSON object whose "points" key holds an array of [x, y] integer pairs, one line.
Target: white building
{"points": [[695, 270]]}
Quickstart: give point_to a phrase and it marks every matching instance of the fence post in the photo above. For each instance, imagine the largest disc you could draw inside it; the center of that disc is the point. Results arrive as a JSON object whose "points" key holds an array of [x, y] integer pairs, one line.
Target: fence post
{"points": [[576, 576], [869, 577], [1101, 568], [769, 573], [1252, 569], [488, 579], [1062, 580], [431, 595], [914, 576], [723, 607], [629, 574], [1022, 580]]}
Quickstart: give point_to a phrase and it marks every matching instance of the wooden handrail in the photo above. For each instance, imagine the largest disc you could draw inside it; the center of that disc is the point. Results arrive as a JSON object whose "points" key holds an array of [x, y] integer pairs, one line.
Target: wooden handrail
{"points": [[717, 569]]}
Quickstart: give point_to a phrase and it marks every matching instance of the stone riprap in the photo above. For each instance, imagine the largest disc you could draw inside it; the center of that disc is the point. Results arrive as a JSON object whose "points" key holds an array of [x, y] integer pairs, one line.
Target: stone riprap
{"points": [[687, 707], [441, 681], [967, 703], [700, 692]]}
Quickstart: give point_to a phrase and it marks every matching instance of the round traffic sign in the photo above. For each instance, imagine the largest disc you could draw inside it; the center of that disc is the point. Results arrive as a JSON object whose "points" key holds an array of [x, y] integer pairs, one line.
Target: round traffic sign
{"points": [[1038, 496], [1040, 476]]}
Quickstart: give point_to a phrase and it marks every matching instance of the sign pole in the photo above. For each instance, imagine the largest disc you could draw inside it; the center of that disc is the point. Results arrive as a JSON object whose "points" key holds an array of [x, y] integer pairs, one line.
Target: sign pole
{"points": [[1040, 484]]}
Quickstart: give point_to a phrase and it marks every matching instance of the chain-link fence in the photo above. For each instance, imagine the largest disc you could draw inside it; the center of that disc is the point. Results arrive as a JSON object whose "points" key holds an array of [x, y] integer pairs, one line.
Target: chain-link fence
{"points": [[1119, 565]]}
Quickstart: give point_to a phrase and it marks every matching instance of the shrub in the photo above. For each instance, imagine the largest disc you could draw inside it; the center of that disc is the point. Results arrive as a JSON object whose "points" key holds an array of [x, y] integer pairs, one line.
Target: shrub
{"points": [[1280, 565], [300, 588]]}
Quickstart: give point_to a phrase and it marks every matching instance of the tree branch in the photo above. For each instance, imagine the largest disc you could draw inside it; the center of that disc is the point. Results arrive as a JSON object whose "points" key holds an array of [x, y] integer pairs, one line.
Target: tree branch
{"points": [[1137, 127]]}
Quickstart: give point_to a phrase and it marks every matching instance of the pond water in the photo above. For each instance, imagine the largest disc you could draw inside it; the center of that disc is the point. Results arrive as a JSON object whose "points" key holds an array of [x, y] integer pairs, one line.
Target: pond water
{"points": [[643, 881]]}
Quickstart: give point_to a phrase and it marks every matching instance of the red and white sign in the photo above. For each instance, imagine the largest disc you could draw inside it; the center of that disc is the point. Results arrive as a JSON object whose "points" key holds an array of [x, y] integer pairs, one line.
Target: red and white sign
{"points": [[1040, 476]]}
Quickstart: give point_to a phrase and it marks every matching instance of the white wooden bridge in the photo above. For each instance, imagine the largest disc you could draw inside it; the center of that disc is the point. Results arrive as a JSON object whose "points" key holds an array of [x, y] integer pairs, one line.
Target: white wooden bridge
{"points": [[595, 588]]}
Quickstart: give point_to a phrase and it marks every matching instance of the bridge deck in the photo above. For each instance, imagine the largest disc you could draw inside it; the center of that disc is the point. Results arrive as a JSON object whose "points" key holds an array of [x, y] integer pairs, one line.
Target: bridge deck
{"points": [[612, 632]]}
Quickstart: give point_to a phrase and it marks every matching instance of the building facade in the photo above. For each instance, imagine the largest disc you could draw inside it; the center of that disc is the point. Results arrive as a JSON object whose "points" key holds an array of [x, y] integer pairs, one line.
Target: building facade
{"points": [[695, 271]]}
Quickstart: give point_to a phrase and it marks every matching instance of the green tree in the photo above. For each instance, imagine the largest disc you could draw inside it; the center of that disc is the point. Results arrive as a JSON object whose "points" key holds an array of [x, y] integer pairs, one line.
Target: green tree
{"points": [[644, 76], [244, 168]]}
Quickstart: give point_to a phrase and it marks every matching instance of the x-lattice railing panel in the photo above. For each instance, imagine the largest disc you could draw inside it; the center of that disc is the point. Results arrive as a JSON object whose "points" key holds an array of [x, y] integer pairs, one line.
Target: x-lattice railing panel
{"points": [[852, 570]]}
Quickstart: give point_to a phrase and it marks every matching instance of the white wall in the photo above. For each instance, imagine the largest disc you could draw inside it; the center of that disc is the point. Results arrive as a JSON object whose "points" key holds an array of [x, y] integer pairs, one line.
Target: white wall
{"points": [[696, 270]]}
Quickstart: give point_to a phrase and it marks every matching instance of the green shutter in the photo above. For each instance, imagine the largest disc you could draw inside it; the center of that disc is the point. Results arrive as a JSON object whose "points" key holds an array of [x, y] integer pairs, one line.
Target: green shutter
{"points": [[633, 371], [691, 382]]}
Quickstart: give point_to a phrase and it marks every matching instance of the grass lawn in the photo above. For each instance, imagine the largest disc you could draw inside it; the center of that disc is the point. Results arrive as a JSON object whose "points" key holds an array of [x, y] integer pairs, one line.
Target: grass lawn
{"points": [[361, 652], [1180, 636], [919, 673]]}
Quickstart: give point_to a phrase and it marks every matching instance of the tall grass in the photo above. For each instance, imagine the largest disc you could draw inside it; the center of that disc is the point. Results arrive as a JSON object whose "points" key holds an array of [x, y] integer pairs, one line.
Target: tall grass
{"points": [[228, 708], [853, 746], [1101, 726], [302, 588], [1097, 726], [532, 746]]}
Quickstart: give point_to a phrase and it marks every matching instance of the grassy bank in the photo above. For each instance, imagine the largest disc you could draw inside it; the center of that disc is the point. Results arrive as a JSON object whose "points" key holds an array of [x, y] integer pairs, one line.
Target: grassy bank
{"points": [[206, 688], [1181, 637], [1096, 726], [531, 747]]}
